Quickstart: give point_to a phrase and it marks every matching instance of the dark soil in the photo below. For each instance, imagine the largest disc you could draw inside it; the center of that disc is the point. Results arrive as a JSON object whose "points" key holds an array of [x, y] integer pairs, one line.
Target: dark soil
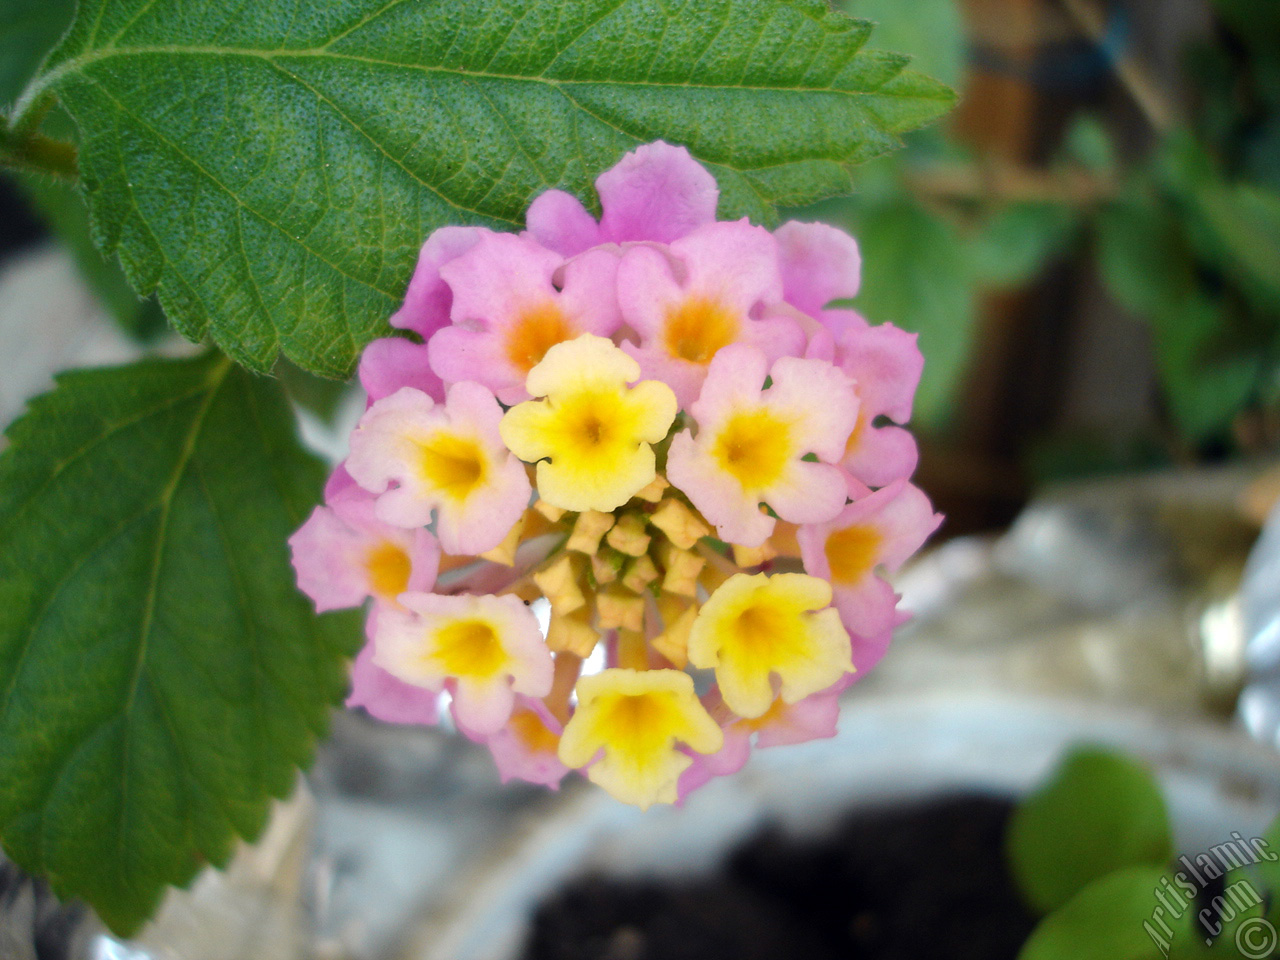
{"points": [[910, 882]]}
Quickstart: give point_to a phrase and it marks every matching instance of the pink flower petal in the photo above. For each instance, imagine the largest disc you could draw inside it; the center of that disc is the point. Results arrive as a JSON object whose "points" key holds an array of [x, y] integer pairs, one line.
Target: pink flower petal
{"points": [[886, 364], [389, 699], [810, 408], [334, 549], [525, 749], [393, 362], [512, 301], [897, 519], [387, 459], [730, 273], [428, 299], [655, 192], [560, 222], [819, 264], [877, 456]]}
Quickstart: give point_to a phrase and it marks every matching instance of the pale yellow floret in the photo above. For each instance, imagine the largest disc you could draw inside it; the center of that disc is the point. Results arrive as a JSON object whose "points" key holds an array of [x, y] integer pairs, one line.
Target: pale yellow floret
{"points": [[640, 573], [753, 556], [682, 568], [620, 609], [588, 529], [682, 526], [548, 510], [678, 616], [628, 536], [572, 633], [591, 436], [606, 565], [559, 583], [654, 491], [755, 627], [637, 718]]}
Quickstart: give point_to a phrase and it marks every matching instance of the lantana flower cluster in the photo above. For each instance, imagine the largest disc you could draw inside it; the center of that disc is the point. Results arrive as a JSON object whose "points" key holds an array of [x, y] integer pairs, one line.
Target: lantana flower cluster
{"points": [[654, 428]]}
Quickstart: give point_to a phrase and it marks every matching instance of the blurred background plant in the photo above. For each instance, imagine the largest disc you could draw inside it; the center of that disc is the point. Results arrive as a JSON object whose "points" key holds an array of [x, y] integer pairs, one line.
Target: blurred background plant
{"points": [[1089, 247]]}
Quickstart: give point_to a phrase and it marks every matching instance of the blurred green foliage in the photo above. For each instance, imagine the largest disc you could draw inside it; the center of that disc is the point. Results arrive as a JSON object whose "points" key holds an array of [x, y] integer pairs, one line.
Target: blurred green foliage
{"points": [[1091, 851], [1098, 813], [1186, 235]]}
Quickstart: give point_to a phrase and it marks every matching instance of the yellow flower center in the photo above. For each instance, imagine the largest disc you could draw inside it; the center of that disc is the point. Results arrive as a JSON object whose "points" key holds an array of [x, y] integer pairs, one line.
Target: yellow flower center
{"points": [[698, 328], [851, 553], [536, 331], [754, 447], [640, 724], [455, 465], [389, 569], [470, 648], [589, 425]]}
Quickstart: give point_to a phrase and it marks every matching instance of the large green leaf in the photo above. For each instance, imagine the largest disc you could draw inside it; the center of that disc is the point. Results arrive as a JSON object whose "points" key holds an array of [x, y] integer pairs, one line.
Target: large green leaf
{"points": [[160, 676], [273, 167], [1099, 812]]}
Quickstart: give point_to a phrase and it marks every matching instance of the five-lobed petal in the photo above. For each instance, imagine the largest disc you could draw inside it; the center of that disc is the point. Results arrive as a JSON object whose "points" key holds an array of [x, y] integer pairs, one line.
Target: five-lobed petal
{"points": [[420, 458], [751, 443], [591, 437], [485, 649], [635, 719], [755, 627]]}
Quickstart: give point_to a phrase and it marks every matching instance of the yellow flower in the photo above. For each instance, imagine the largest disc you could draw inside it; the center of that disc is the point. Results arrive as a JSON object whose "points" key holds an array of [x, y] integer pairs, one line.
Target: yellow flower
{"points": [[637, 717], [591, 436], [755, 626]]}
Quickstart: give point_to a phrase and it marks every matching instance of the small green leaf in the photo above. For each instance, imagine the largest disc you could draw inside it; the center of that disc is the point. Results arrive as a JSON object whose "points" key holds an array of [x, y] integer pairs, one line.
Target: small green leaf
{"points": [[1088, 143], [1144, 260], [1098, 813], [1113, 918], [273, 168], [1206, 387], [161, 678], [1014, 245]]}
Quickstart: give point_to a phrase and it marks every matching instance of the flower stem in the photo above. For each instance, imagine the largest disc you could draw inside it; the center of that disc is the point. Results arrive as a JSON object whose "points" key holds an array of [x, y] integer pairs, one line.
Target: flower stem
{"points": [[23, 146]]}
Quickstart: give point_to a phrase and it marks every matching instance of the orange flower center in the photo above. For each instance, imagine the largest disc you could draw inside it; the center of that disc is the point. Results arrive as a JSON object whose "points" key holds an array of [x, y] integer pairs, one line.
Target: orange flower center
{"points": [[388, 568], [851, 552], [529, 729], [534, 333], [698, 328]]}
